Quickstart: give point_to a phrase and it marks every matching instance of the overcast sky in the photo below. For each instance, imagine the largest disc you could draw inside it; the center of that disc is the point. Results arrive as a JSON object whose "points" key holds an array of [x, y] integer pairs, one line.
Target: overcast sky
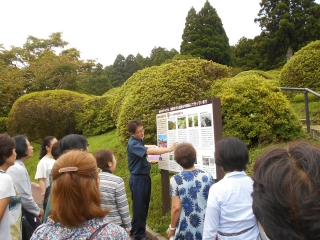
{"points": [[102, 29]]}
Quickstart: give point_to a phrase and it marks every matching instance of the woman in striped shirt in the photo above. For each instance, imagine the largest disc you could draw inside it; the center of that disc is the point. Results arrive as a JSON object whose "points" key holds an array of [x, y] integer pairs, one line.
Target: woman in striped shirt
{"points": [[113, 194]]}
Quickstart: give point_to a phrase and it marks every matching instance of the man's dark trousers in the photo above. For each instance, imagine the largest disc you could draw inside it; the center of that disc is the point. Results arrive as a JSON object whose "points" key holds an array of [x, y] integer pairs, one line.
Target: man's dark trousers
{"points": [[140, 187]]}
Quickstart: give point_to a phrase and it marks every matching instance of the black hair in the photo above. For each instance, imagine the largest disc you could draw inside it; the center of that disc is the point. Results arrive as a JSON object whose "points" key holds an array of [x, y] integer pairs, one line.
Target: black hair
{"points": [[232, 154], [46, 143], [7, 144], [21, 145], [133, 124], [286, 191]]}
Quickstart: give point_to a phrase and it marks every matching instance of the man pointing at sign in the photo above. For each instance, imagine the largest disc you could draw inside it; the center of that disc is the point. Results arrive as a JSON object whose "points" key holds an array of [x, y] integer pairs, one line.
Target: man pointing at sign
{"points": [[140, 182]]}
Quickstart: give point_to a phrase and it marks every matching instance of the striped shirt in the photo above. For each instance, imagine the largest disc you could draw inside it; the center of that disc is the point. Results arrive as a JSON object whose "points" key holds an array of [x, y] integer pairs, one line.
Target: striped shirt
{"points": [[113, 195]]}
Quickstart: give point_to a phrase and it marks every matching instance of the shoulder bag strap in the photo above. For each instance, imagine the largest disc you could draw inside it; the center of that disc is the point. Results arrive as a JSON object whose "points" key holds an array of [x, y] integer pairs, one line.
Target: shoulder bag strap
{"points": [[94, 234]]}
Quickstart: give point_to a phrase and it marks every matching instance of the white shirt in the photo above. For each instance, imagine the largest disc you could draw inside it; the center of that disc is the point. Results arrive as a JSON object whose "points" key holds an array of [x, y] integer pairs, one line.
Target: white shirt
{"points": [[229, 208], [6, 190], [44, 169]]}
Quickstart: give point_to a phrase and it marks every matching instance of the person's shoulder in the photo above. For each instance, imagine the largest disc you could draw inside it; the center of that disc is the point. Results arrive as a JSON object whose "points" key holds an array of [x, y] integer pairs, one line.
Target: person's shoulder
{"points": [[110, 177], [115, 231], [14, 168], [5, 179]]}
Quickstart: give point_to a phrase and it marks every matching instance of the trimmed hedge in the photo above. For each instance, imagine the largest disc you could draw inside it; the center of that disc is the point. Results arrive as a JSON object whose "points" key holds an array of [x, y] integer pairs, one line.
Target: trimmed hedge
{"points": [[94, 117], [3, 124], [303, 69], [154, 88], [259, 73], [40, 114], [256, 111]]}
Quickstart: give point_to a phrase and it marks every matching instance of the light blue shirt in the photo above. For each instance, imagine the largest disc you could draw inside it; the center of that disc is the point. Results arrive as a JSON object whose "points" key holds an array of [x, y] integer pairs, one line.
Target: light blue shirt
{"points": [[229, 208]]}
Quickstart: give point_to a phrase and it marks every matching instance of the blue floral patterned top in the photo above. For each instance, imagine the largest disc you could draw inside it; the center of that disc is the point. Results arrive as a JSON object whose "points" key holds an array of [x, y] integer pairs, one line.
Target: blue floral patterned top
{"points": [[192, 187], [53, 230]]}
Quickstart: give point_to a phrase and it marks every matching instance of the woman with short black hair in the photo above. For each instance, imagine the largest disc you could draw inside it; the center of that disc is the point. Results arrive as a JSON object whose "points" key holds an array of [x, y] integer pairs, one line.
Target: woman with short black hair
{"points": [[229, 209], [21, 180]]}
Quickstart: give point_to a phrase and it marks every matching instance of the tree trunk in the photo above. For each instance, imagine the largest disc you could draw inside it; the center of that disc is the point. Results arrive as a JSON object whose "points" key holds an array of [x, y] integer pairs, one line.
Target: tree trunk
{"points": [[289, 53]]}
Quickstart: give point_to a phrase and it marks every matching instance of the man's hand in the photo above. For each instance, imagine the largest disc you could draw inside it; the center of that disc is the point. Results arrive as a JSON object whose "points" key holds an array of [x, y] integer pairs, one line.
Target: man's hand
{"points": [[173, 146]]}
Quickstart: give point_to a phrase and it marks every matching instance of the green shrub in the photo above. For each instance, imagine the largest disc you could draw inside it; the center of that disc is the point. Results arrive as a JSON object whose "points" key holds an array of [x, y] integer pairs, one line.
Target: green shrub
{"points": [[266, 75], [154, 88], [300, 98], [40, 114], [303, 69], [275, 74], [3, 124], [95, 116], [255, 110], [259, 73]]}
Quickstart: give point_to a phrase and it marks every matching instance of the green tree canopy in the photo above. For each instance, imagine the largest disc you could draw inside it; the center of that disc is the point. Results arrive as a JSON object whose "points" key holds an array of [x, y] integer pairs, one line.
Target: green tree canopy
{"points": [[205, 36], [39, 66], [287, 25], [245, 54]]}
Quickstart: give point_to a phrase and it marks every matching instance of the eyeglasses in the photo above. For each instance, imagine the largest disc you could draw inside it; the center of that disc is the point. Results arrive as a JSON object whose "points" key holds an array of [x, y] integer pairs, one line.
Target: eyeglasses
{"points": [[141, 131]]}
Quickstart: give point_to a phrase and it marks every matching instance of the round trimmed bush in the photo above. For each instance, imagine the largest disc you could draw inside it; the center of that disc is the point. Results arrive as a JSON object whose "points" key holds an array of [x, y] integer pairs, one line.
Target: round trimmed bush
{"points": [[40, 114], [95, 115], [303, 69], [3, 124], [157, 87], [259, 73], [255, 110]]}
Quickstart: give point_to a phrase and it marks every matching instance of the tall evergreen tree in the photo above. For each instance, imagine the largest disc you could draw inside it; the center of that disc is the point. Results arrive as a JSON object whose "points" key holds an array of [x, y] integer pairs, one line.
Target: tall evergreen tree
{"points": [[205, 36], [287, 25], [115, 71], [190, 34], [245, 54]]}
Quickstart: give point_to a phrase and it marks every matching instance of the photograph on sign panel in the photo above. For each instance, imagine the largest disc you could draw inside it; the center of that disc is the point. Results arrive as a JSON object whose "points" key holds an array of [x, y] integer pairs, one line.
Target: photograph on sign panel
{"points": [[162, 140], [205, 161], [182, 122], [195, 121], [172, 124], [190, 121], [206, 120]]}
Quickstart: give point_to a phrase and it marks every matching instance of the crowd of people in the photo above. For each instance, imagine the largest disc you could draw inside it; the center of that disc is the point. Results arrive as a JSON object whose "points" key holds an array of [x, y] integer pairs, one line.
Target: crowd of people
{"points": [[83, 199]]}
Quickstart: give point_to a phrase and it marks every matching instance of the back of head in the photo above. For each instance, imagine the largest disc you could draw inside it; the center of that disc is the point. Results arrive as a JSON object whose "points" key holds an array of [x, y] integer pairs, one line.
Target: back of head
{"points": [[73, 141], [75, 194], [103, 157], [55, 150], [7, 144], [286, 195], [21, 146], [232, 154], [185, 155]]}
